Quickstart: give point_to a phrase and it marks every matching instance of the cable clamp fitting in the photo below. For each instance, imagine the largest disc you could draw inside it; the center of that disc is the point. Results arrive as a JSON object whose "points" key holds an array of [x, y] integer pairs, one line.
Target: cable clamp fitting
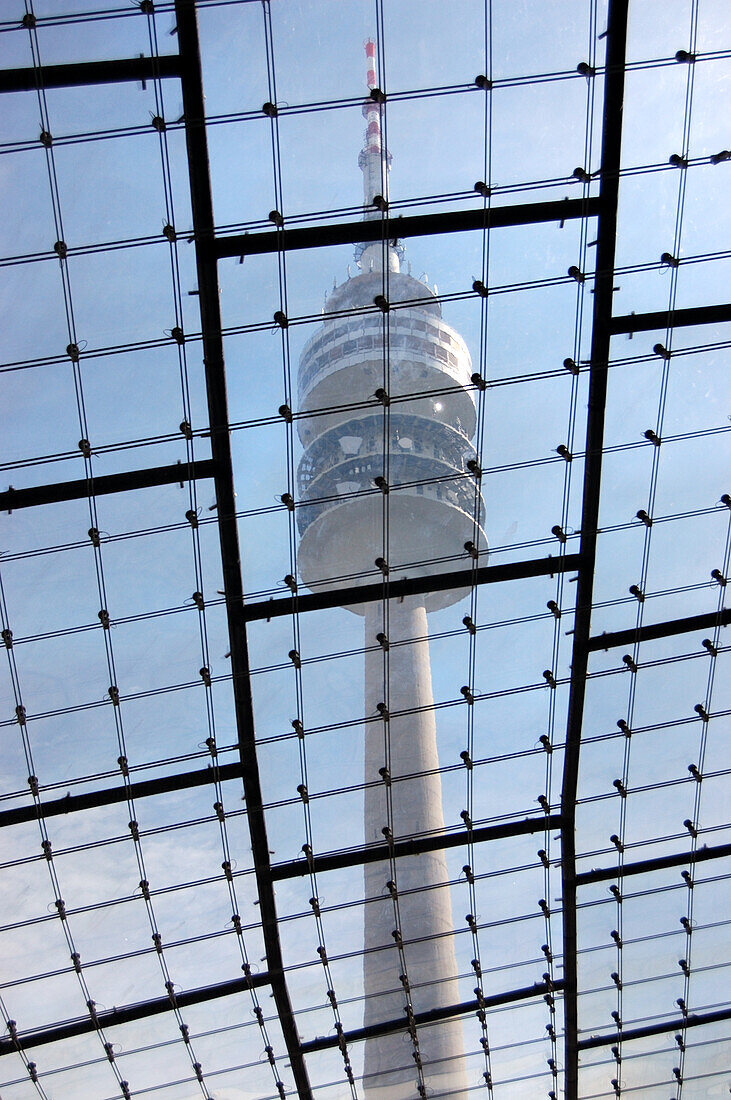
{"points": [[467, 621]]}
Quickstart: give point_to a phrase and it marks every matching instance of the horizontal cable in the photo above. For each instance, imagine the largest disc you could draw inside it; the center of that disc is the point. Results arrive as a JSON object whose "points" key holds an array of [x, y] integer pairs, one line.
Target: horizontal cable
{"points": [[134, 346], [116, 448], [493, 552], [645, 1087], [269, 805], [310, 217], [652, 979], [228, 772], [222, 750], [99, 14], [478, 696], [235, 1027], [650, 841], [309, 108], [660, 785], [253, 926]]}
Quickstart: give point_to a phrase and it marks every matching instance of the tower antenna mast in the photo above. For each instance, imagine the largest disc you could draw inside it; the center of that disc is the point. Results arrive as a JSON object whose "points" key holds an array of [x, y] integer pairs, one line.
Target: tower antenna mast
{"points": [[374, 161]]}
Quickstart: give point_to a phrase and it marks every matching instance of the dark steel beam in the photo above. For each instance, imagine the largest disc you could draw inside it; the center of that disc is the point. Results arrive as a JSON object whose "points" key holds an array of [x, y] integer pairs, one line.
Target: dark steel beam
{"points": [[646, 866], [107, 483], [660, 630], [203, 226], [413, 586], [598, 373], [416, 225], [81, 74], [358, 857], [109, 796], [680, 1023], [432, 1016], [112, 1017], [678, 318]]}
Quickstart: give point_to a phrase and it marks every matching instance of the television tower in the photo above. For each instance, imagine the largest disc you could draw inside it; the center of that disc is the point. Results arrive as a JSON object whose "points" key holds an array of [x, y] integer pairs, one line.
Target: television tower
{"points": [[385, 490]]}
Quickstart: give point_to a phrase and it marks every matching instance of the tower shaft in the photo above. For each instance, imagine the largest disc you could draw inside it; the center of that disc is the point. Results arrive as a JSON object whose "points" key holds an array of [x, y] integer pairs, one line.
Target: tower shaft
{"points": [[407, 745], [414, 449]]}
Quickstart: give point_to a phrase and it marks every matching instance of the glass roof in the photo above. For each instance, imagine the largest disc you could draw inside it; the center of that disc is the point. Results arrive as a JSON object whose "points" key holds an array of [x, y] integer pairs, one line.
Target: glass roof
{"points": [[269, 829]]}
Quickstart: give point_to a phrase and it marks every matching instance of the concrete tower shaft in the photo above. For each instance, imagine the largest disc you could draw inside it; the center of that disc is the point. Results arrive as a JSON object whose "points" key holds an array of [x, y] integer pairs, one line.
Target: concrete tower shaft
{"points": [[407, 745]]}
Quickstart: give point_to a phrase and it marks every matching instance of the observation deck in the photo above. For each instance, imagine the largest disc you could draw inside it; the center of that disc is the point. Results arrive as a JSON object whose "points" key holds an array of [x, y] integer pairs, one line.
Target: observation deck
{"points": [[416, 438]]}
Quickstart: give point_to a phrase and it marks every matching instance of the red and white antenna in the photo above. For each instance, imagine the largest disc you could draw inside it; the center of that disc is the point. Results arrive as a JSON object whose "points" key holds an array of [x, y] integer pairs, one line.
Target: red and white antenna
{"points": [[370, 49], [374, 159]]}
